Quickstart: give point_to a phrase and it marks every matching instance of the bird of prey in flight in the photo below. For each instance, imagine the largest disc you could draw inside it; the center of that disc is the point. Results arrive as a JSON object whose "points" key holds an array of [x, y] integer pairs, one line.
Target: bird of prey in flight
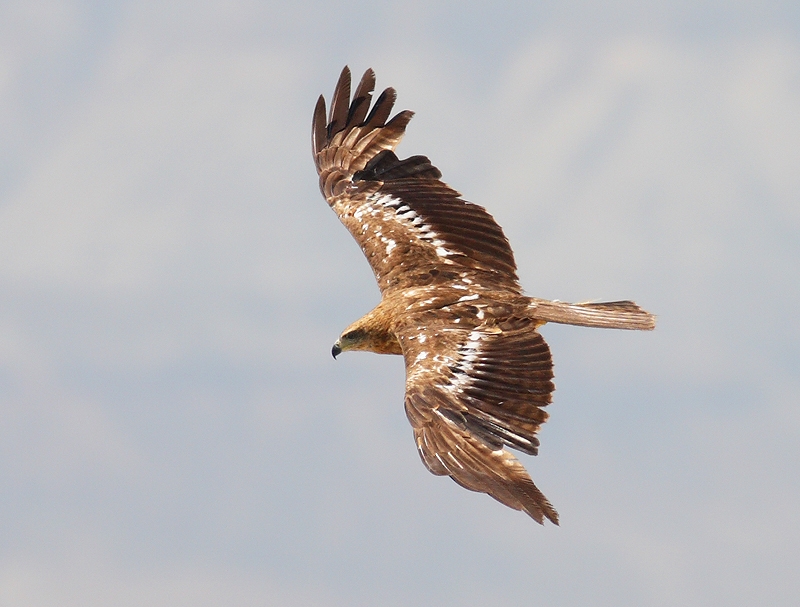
{"points": [[478, 372]]}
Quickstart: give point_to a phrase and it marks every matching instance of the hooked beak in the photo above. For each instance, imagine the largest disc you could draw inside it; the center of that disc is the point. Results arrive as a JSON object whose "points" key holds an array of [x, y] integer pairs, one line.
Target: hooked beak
{"points": [[336, 350]]}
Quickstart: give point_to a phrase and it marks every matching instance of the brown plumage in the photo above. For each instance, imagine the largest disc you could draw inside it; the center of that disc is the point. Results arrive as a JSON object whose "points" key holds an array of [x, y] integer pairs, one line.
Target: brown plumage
{"points": [[478, 373]]}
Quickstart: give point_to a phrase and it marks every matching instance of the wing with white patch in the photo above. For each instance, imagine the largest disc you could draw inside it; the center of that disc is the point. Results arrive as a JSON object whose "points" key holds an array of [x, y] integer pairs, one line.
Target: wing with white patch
{"points": [[412, 227], [472, 391]]}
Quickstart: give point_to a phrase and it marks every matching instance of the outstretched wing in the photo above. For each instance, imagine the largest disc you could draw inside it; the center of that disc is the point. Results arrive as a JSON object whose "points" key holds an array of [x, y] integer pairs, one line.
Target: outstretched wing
{"points": [[472, 391], [412, 227]]}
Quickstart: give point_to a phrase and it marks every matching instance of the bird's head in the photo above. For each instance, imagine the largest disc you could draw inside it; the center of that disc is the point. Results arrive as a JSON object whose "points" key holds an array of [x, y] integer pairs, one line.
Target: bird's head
{"points": [[370, 333], [353, 338]]}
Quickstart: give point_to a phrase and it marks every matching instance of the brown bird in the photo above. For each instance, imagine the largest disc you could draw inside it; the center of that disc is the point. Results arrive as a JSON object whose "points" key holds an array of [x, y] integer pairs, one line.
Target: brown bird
{"points": [[478, 373]]}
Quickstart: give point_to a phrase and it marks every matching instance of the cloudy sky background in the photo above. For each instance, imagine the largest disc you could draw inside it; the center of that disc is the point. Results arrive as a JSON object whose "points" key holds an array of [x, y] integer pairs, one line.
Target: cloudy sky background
{"points": [[173, 430]]}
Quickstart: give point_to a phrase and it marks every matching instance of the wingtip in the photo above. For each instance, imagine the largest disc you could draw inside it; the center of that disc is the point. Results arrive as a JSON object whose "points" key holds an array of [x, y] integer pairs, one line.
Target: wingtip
{"points": [[539, 515], [540, 512], [344, 76], [370, 131], [382, 109], [318, 127], [368, 79], [340, 102]]}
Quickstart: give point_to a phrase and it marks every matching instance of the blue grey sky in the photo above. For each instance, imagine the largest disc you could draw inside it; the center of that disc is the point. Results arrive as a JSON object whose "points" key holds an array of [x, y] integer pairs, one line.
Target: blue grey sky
{"points": [[173, 430]]}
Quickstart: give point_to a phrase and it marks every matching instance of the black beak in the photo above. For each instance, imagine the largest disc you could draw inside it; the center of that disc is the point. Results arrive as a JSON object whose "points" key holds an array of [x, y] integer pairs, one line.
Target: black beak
{"points": [[336, 350]]}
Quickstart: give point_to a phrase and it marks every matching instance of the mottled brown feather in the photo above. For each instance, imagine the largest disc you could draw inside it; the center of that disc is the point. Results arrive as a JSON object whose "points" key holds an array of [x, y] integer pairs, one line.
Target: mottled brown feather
{"points": [[478, 373], [451, 395]]}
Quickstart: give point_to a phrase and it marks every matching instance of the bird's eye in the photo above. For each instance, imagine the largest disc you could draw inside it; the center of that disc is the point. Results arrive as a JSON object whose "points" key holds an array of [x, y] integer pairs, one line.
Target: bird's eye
{"points": [[353, 335]]}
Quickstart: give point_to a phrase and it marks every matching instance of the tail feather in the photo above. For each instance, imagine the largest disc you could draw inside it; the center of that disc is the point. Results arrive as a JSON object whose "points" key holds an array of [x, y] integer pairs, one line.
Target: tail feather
{"points": [[608, 315]]}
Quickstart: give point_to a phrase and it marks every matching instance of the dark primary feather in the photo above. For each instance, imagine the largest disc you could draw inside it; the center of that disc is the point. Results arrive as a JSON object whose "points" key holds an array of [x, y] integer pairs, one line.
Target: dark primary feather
{"points": [[361, 99], [382, 108], [319, 130], [340, 103]]}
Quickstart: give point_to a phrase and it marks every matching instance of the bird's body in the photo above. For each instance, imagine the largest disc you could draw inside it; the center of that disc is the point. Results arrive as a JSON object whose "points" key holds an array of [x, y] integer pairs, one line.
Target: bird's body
{"points": [[478, 373]]}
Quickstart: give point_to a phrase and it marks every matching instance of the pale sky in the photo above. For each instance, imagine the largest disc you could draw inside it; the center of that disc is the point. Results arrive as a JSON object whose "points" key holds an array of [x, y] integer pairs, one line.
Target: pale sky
{"points": [[173, 429]]}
